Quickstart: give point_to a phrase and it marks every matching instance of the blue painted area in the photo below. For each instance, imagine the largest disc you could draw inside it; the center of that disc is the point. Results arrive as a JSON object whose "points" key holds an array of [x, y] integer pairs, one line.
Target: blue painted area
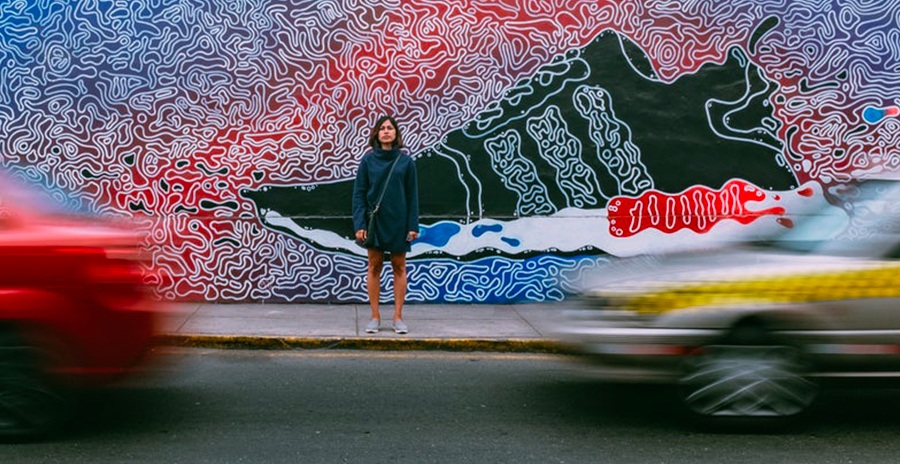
{"points": [[497, 280], [872, 115], [511, 241], [480, 229], [439, 234]]}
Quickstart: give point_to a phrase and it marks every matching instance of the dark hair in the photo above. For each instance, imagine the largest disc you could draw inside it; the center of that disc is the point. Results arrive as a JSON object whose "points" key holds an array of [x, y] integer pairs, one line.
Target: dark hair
{"points": [[373, 137]]}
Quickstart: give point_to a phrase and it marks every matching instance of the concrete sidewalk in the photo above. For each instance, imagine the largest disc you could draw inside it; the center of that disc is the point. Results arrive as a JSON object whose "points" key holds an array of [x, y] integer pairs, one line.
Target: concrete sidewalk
{"points": [[467, 327]]}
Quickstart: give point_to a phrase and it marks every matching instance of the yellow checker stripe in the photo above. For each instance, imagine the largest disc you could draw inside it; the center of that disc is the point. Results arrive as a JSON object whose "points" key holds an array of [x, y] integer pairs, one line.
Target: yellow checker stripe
{"points": [[882, 281]]}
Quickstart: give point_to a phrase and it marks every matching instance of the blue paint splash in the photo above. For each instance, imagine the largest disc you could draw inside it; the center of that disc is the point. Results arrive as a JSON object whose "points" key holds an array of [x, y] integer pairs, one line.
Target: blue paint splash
{"points": [[439, 234], [480, 230], [874, 115]]}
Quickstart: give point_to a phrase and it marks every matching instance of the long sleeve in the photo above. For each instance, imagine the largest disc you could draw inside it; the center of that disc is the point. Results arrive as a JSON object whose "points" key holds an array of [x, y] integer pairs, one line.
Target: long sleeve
{"points": [[412, 199], [360, 190]]}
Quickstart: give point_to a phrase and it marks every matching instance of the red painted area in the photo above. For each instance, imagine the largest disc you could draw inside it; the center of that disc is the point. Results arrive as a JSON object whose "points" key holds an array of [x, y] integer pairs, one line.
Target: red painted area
{"points": [[786, 222], [698, 208]]}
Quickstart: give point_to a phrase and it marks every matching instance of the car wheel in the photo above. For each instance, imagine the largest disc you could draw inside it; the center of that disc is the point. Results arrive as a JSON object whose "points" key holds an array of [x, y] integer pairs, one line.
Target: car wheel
{"points": [[31, 403], [747, 380]]}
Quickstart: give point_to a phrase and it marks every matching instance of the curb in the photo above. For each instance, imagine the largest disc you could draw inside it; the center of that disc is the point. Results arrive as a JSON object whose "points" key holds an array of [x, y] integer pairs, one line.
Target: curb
{"points": [[246, 342]]}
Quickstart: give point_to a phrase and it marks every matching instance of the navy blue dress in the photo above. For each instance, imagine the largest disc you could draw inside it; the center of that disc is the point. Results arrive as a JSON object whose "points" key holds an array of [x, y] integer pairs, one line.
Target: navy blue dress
{"points": [[399, 212]]}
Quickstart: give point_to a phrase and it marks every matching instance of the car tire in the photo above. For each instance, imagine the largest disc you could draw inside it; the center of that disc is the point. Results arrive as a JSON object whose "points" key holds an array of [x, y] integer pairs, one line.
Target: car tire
{"points": [[749, 378], [32, 403]]}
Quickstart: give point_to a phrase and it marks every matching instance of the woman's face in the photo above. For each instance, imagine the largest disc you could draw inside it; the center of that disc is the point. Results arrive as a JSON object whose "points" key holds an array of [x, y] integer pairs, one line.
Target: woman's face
{"points": [[387, 133]]}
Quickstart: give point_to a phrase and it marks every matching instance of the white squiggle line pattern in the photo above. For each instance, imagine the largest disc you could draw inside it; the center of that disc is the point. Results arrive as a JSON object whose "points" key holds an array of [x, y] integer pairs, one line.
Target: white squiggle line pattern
{"points": [[494, 119], [562, 150], [725, 120], [518, 174], [613, 140]]}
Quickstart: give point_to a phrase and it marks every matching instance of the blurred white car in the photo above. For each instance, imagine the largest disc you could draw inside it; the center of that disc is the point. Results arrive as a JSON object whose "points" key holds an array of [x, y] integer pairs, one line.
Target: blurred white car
{"points": [[748, 331]]}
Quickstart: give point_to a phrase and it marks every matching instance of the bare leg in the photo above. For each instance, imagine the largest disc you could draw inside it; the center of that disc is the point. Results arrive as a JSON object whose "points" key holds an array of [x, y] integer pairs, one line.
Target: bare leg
{"points": [[398, 266], [373, 280]]}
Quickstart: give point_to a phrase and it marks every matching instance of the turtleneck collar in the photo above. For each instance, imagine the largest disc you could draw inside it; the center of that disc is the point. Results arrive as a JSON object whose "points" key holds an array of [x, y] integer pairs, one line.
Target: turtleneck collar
{"points": [[389, 154]]}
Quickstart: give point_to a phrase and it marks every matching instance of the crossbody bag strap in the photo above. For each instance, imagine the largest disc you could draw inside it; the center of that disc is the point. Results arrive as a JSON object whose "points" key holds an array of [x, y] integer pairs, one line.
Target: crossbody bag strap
{"points": [[386, 179]]}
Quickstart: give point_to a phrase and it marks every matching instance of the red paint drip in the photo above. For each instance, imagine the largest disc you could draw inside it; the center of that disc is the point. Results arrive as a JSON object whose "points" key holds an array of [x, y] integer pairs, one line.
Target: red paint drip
{"points": [[697, 208], [806, 192], [787, 223]]}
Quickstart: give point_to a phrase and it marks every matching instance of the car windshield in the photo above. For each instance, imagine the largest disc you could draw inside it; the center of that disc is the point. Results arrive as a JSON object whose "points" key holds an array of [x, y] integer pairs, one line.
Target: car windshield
{"points": [[867, 226]]}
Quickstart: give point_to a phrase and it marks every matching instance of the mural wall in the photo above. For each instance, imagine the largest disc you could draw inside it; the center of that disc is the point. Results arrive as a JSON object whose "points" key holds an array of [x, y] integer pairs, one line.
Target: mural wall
{"points": [[548, 134]]}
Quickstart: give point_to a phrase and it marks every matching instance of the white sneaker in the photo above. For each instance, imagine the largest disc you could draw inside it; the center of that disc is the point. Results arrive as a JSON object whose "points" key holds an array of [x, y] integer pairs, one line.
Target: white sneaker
{"points": [[400, 327], [373, 326]]}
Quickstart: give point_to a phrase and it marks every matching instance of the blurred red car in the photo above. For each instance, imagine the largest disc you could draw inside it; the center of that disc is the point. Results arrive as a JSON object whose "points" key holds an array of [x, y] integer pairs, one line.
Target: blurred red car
{"points": [[75, 309]]}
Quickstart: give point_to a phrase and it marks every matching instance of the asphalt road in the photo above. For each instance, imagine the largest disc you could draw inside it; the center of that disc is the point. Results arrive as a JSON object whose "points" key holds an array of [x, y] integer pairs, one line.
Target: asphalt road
{"points": [[217, 406]]}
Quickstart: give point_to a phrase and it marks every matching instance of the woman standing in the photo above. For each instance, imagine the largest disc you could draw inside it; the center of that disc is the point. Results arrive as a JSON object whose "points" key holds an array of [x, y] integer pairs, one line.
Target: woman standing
{"points": [[398, 214]]}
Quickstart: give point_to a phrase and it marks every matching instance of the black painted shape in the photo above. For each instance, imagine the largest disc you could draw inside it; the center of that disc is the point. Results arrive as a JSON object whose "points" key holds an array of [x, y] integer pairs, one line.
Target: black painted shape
{"points": [[138, 207], [209, 205], [667, 121]]}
